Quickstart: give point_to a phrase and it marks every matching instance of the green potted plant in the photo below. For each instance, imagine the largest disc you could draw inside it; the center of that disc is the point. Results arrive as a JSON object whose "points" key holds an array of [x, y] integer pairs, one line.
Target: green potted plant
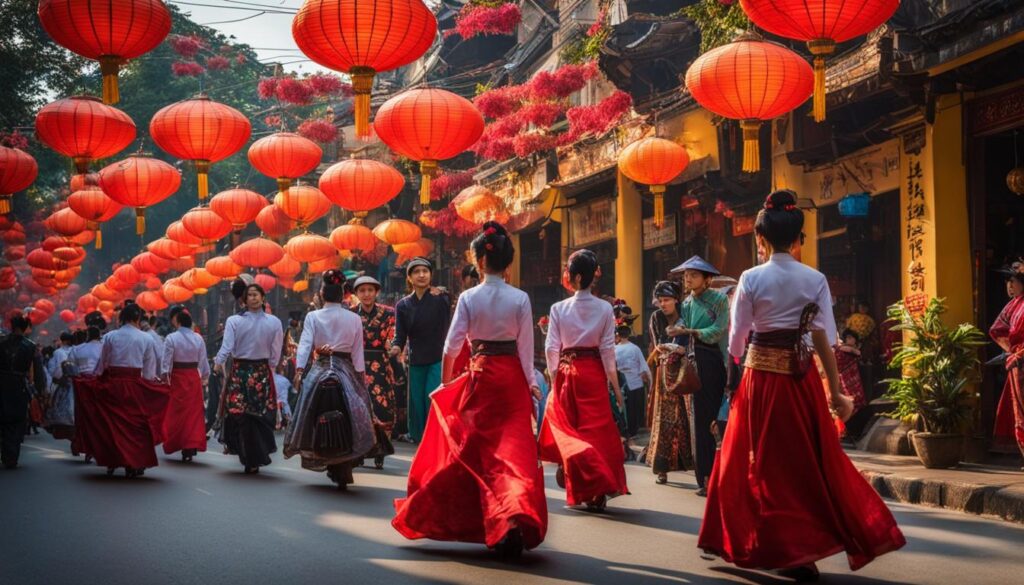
{"points": [[936, 393]]}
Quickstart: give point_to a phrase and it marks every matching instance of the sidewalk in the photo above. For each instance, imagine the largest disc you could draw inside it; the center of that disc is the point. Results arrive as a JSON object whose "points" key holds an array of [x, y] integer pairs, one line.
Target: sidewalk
{"points": [[974, 489]]}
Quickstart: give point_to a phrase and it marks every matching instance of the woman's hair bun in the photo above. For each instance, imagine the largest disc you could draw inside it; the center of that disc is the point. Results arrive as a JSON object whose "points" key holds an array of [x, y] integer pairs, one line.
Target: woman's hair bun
{"points": [[494, 243], [781, 200], [335, 277]]}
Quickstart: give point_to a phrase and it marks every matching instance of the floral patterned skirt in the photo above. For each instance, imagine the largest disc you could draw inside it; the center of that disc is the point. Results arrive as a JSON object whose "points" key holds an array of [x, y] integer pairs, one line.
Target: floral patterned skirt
{"points": [[250, 405], [670, 448]]}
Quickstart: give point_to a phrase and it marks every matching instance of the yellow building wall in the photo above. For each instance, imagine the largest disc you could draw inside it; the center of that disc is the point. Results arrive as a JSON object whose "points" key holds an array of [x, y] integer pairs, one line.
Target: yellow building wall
{"points": [[629, 260]]}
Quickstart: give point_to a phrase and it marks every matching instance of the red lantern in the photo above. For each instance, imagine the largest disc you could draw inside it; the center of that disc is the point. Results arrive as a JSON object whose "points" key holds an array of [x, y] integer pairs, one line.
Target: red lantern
{"points": [[257, 253], [17, 171], [127, 274], [200, 130], [83, 238], [238, 206], [822, 24], [69, 254], [361, 185], [206, 224], [397, 231], [265, 281], [176, 231], [310, 248], [284, 156], [303, 203], [184, 263], [40, 258], [14, 253], [151, 301], [286, 267], [428, 125], [84, 129], [274, 222], [655, 162], [363, 38], [66, 222], [422, 247], [139, 182], [478, 204], [81, 181], [150, 263], [169, 249], [750, 80], [355, 237], [199, 278], [224, 267], [95, 206], [153, 283]]}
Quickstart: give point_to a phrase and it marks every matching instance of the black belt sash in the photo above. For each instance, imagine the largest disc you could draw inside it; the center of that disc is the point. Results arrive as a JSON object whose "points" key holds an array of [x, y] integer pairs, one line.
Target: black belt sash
{"points": [[483, 347]]}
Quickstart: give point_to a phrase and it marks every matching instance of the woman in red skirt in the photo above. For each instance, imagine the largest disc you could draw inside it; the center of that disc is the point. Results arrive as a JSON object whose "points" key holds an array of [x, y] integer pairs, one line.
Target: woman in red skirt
{"points": [[783, 494], [579, 431], [187, 369], [475, 477]]}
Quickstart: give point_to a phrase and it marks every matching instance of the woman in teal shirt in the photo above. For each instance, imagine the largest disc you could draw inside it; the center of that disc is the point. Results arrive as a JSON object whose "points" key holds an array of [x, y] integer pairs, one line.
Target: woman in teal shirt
{"points": [[704, 318]]}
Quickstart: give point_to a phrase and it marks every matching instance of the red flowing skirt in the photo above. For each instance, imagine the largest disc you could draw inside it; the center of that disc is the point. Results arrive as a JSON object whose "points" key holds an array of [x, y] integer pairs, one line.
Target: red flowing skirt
{"points": [[782, 492], [1009, 427], [475, 475], [461, 363], [580, 433], [119, 418], [185, 423]]}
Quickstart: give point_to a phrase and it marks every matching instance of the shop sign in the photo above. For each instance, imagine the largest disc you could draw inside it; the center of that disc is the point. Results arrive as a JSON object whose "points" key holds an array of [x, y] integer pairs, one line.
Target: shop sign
{"points": [[916, 216], [592, 222], [583, 160], [655, 237], [743, 225]]}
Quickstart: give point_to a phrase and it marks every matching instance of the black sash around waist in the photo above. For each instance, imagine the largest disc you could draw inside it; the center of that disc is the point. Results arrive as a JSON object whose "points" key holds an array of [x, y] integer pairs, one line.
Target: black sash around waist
{"points": [[780, 338], [483, 347], [326, 358], [185, 365], [578, 352], [250, 362]]}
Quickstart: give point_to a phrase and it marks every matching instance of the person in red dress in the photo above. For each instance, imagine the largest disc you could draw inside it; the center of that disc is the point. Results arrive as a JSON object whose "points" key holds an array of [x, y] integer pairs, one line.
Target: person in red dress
{"points": [[579, 431], [476, 477], [782, 493], [1008, 333], [848, 362], [186, 368]]}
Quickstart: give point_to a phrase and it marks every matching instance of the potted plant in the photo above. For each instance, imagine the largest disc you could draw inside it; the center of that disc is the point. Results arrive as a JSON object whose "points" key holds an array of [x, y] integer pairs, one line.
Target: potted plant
{"points": [[936, 392]]}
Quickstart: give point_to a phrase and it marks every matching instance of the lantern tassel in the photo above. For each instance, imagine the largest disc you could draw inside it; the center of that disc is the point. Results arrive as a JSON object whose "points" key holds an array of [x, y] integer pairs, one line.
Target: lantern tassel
{"points": [[109, 66], [751, 146], [659, 205], [428, 168], [283, 184], [202, 173], [362, 86], [99, 239], [140, 220], [820, 48], [5, 205]]}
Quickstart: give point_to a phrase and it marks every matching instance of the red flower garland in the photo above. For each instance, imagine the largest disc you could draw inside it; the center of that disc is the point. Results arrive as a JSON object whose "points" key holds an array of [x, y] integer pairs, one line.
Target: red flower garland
{"points": [[474, 19], [187, 69], [600, 117], [450, 183], [320, 131], [186, 46], [218, 63]]}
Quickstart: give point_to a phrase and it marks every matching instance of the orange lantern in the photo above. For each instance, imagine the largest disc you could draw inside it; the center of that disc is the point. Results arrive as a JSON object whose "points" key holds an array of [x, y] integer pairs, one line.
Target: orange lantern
{"points": [[84, 129], [257, 253], [273, 222], [182, 264], [397, 231], [176, 231], [115, 283], [82, 238], [127, 274], [301, 286], [151, 301], [362, 38], [17, 171], [150, 263], [95, 206], [199, 278], [200, 130], [239, 207], [106, 306], [265, 281], [286, 267], [355, 237], [81, 181], [428, 125], [206, 224], [139, 182], [44, 259], [361, 185], [224, 267], [74, 255], [153, 283], [117, 31], [284, 156], [478, 204], [303, 203], [175, 293], [750, 80], [310, 248], [422, 247], [329, 263], [655, 162], [169, 249]]}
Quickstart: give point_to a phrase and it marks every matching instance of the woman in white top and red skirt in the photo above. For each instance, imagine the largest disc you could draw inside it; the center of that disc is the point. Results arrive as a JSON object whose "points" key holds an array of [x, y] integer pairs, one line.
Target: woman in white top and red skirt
{"points": [[475, 477], [579, 431], [187, 369], [783, 494]]}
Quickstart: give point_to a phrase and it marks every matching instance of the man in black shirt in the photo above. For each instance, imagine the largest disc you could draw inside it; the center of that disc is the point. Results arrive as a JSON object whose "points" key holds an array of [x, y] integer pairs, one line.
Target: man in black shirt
{"points": [[421, 322], [20, 365]]}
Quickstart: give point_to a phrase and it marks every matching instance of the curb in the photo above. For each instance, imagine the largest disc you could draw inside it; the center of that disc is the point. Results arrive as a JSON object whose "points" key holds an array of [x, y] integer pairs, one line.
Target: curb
{"points": [[983, 500]]}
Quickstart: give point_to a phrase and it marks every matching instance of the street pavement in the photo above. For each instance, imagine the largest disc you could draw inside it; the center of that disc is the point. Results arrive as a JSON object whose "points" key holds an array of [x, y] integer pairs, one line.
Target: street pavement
{"points": [[62, 521]]}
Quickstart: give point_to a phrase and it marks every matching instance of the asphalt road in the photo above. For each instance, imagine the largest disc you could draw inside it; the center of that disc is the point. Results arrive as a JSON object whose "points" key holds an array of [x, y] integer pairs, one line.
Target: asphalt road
{"points": [[62, 521]]}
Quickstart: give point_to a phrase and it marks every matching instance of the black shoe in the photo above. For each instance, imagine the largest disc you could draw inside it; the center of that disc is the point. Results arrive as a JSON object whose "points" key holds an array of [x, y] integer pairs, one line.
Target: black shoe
{"points": [[702, 492], [598, 504], [378, 462], [560, 477], [510, 547], [662, 479], [802, 574]]}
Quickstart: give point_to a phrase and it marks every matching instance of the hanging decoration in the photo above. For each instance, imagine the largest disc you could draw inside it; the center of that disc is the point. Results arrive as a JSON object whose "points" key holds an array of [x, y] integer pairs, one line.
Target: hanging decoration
{"points": [[284, 156], [238, 206], [397, 231], [354, 237], [304, 204], [206, 225], [224, 267], [84, 129], [18, 170], [478, 204], [139, 182], [309, 248], [95, 206], [361, 185], [169, 249], [65, 222], [176, 231], [256, 253], [273, 222], [654, 162]]}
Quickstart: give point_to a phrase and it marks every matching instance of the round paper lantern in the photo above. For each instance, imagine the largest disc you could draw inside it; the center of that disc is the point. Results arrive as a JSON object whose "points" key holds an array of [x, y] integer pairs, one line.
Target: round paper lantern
{"points": [[478, 204], [655, 162], [17, 171], [176, 231], [422, 247], [105, 293], [284, 156], [174, 293], [325, 264], [206, 224], [84, 129], [184, 263], [428, 125], [821, 24], [95, 207], [303, 203], [286, 267], [14, 253], [355, 237], [82, 238], [750, 80], [45, 305], [153, 283], [397, 231], [310, 248], [1015, 180], [363, 38], [265, 281], [105, 306], [256, 253], [115, 283], [200, 130], [127, 274], [13, 237], [169, 249], [73, 255], [67, 316], [361, 185], [273, 222], [139, 182], [81, 181], [301, 286], [151, 301], [199, 278], [150, 263], [40, 258], [239, 207], [224, 267]]}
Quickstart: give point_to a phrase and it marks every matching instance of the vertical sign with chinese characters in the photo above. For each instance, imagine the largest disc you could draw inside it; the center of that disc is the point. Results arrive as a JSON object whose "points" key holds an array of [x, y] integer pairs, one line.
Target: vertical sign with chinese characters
{"points": [[916, 216]]}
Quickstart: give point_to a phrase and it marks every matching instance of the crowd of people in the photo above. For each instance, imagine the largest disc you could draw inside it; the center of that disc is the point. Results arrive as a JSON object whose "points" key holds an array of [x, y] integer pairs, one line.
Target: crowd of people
{"points": [[727, 390]]}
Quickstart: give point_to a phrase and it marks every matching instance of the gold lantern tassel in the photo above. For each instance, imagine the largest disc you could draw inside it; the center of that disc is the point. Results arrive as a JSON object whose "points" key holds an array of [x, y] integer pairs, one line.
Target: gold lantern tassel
{"points": [[362, 86], [109, 66], [751, 146], [820, 48], [202, 172], [283, 184], [5, 205], [659, 205], [140, 220], [428, 168], [99, 238]]}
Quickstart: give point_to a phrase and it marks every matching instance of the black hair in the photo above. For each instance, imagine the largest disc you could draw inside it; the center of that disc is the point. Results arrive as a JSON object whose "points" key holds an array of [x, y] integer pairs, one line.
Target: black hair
{"points": [[20, 323], [184, 319], [66, 337], [131, 313], [333, 287], [667, 288], [623, 331], [584, 264], [1017, 276], [851, 333], [238, 289], [494, 245], [175, 310], [780, 221], [92, 333], [469, 271], [80, 337], [95, 319]]}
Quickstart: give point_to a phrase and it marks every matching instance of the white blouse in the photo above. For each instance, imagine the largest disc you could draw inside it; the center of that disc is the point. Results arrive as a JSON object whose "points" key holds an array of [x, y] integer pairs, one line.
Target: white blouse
{"points": [[185, 345], [253, 335], [494, 311], [128, 347], [87, 355], [336, 326], [772, 296], [581, 320]]}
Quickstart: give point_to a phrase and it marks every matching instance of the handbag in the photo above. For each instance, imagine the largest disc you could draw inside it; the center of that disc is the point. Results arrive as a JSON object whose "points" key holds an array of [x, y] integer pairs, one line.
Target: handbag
{"points": [[679, 372]]}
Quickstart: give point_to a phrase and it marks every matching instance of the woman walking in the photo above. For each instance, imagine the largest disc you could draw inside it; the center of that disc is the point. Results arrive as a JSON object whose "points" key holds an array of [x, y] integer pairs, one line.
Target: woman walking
{"points": [[1008, 333], [476, 477], [579, 431], [186, 369], [783, 494], [378, 333]]}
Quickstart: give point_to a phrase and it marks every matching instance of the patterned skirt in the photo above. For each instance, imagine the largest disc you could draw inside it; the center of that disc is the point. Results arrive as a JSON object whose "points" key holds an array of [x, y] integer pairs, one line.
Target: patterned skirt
{"points": [[670, 448], [250, 404]]}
